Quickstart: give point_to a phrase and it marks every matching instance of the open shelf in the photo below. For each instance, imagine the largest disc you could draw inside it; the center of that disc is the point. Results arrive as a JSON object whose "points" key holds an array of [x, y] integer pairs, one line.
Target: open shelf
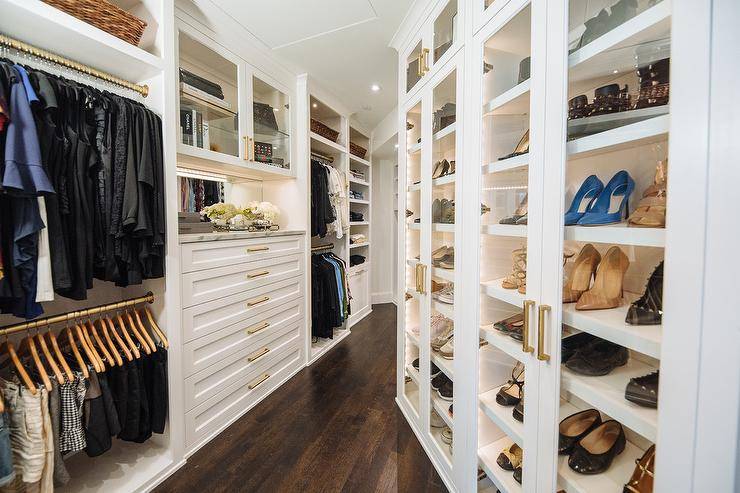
{"points": [[320, 348], [325, 146], [509, 164], [356, 159], [610, 325], [352, 179], [359, 201], [620, 234], [504, 480], [515, 101], [628, 136], [358, 245], [501, 416], [501, 341], [606, 394], [615, 49]]}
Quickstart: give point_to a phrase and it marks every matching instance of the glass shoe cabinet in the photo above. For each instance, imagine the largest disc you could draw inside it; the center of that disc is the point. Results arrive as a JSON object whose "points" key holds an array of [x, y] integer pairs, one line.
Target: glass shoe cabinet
{"points": [[569, 207]]}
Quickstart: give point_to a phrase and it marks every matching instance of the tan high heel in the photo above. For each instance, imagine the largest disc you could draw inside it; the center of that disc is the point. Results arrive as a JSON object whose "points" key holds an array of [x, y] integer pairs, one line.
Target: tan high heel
{"points": [[518, 277], [580, 277], [650, 212], [607, 289]]}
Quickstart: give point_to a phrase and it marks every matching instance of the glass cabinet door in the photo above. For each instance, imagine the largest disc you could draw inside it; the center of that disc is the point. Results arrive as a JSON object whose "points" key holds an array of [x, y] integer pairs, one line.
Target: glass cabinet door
{"points": [[446, 31], [507, 424], [271, 125], [415, 65], [209, 98], [604, 330]]}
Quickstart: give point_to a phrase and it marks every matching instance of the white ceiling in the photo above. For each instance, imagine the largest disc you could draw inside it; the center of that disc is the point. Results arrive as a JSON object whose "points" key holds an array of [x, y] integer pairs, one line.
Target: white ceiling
{"points": [[342, 44]]}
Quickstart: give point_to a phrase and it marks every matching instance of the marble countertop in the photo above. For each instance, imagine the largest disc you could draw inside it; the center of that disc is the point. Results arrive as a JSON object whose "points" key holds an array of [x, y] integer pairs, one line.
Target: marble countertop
{"points": [[236, 235]]}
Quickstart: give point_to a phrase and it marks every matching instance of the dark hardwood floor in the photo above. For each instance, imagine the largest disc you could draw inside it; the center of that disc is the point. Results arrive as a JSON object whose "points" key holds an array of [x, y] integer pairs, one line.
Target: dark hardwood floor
{"points": [[333, 427]]}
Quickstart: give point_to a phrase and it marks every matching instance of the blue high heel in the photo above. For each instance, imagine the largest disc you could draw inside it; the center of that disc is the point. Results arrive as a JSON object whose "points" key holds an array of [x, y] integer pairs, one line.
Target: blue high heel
{"points": [[584, 198], [607, 210]]}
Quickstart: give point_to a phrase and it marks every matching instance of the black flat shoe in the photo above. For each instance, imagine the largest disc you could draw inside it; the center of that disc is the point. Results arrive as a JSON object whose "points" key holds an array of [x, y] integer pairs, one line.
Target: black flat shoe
{"points": [[575, 427], [510, 394], [648, 310], [445, 391], [598, 358], [597, 450], [572, 343], [439, 381], [518, 412], [518, 474], [643, 390]]}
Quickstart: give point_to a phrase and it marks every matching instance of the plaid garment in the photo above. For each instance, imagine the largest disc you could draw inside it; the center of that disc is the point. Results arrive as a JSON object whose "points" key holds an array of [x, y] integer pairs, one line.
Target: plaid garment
{"points": [[72, 395]]}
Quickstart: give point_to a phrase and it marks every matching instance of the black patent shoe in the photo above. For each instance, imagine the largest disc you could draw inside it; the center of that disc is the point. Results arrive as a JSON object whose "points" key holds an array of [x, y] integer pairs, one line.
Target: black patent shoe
{"points": [[510, 394], [575, 427], [598, 358], [578, 107], [572, 343], [648, 310], [518, 412], [597, 450], [643, 390], [518, 474]]}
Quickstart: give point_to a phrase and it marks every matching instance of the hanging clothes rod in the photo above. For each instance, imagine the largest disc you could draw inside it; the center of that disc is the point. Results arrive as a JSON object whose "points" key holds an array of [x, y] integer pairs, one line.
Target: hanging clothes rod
{"points": [[66, 62], [320, 248], [64, 317]]}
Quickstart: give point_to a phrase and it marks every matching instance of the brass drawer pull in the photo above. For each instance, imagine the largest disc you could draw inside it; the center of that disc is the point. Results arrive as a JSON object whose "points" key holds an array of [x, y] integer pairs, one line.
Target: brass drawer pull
{"points": [[258, 354], [257, 301], [256, 328], [258, 274], [258, 249], [259, 381]]}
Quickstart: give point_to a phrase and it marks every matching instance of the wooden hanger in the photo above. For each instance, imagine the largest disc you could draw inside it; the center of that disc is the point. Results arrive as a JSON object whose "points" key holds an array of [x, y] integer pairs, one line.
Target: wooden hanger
{"points": [[58, 352], [143, 330], [100, 344], [49, 357], [127, 337], [156, 328], [76, 352], [8, 347], [28, 345], [108, 324], [112, 349], [91, 346], [88, 352], [136, 333]]}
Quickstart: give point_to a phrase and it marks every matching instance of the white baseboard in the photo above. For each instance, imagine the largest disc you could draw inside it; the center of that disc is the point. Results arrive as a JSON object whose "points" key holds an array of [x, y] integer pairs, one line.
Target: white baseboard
{"points": [[386, 297]]}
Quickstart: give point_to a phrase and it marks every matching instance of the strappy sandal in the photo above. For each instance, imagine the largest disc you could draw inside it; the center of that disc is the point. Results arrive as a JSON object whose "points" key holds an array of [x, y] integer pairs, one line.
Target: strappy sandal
{"points": [[650, 212], [642, 478], [511, 393], [510, 458], [519, 268]]}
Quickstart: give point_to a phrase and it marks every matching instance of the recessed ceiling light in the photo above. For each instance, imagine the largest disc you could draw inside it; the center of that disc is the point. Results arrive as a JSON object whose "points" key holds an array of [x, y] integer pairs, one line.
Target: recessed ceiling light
{"points": [[375, 88], [396, 146], [615, 71], [315, 105]]}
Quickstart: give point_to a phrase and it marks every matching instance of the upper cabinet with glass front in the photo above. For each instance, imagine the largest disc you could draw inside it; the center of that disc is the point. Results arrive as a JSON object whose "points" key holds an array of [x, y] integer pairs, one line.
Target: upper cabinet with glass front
{"points": [[231, 120], [435, 43]]}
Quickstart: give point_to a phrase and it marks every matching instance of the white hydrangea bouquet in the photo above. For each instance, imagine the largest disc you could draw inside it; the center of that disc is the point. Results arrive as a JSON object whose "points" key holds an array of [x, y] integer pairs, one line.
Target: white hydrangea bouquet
{"points": [[220, 213], [264, 215]]}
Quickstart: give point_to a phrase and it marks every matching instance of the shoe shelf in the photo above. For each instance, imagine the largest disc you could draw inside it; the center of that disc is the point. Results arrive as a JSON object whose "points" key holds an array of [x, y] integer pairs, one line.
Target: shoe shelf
{"points": [[442, 407], [413, 149], [413, 337], [606, 393], [504, 480], [615, 49], [501, 341], [415, 226], [494, 290], [445, 274], [509, 164], [324, 145], [444, 309], [444, 180], [359, 245], [359, 223], [414, 188], [359, 201], [501, 416], [610, 325], [514, 101], [611, 480], [620, 234], [518, 230], [443, 228], [485, 485], [601, 123], [443, 447], [446, 132], [443, 364], [358, 181], [625, 137], [411, 394], [414, 374], [356, 159]]}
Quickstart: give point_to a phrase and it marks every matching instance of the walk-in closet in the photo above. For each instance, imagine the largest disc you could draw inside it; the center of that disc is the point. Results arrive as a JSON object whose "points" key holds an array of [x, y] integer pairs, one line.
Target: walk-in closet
{"points": [[369, 245]]}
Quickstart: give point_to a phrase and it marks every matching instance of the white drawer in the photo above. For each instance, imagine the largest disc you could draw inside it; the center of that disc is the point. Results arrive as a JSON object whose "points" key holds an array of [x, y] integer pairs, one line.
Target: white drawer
{"points": [[214, 413], [206, 318], [211, 284], [206, 351], [223, 253], [246, 364], [359, 286]]}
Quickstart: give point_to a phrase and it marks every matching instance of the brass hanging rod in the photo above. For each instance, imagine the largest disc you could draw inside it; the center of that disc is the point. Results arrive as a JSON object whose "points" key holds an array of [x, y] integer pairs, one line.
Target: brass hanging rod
{"points": [[318, 248], [66, 62], [64, 317]]}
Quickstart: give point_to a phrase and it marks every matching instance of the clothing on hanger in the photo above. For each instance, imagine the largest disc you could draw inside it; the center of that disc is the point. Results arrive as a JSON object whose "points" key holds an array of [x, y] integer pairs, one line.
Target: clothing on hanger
{"points": [[331, 298]]}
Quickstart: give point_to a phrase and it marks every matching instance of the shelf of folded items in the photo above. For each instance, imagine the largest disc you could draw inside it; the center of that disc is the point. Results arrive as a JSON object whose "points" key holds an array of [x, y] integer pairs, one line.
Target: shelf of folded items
{"points": [[615, 50], [487, 455], [358, 181], [501, 416], [606, 393], [358, 245], [360, 160], [613, 479]]}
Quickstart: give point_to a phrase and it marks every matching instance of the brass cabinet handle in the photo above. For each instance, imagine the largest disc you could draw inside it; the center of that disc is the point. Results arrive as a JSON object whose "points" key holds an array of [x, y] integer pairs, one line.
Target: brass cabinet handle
{"points": [[528, 304], [258, 274], [423, 278], [259, 381], [425, 57], [418, 278], [257, 301], [541, 355], [256, 328], [246, 148], [419, 66], [258, 249], [258, 354]]}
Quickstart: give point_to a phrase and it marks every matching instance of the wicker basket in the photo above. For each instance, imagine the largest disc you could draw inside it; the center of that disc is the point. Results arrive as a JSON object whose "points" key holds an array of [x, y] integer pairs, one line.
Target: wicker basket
{"points": [[357, 150], [321, 129], [105, 16]]}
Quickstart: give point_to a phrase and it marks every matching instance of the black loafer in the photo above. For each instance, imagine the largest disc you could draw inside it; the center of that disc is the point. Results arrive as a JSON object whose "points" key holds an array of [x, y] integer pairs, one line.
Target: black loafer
{"points": [[598, 358], [439, 381], [643, 390], [587, 457], [575, 427], [572, 343], [445, 391]]}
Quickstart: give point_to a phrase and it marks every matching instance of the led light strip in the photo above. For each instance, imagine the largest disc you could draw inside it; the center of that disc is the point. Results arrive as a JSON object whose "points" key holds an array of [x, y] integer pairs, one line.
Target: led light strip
{"points": [[201, 175]]}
